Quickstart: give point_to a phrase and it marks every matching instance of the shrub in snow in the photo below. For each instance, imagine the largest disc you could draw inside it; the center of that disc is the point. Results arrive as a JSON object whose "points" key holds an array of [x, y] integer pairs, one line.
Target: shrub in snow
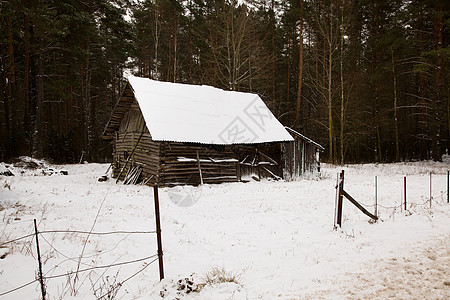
{"points": [[221, 275]]}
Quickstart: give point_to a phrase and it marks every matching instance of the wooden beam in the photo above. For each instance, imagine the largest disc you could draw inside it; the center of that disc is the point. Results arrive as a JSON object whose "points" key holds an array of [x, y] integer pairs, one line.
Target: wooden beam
{"points": [[350, 198]]}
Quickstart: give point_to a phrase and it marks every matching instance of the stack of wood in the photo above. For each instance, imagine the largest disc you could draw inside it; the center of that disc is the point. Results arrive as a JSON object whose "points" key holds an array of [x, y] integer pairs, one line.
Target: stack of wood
{"points": [[133, 175]]}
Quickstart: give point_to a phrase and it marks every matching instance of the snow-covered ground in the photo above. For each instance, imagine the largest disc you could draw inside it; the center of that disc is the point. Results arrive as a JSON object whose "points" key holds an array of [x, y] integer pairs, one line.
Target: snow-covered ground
{"points": [[269, 240]]}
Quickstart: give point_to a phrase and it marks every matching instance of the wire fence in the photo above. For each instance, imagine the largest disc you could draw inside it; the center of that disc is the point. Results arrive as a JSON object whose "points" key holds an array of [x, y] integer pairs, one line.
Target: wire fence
{"points": [[42, 279], [152, 258], [77, 232], [425, 201]]}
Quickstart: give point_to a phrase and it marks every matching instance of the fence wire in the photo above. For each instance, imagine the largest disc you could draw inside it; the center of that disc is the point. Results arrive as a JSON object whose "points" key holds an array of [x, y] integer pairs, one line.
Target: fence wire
{"points": [[17, 239], [100, 267], [90, 268], [18, 288], [429, 200]]}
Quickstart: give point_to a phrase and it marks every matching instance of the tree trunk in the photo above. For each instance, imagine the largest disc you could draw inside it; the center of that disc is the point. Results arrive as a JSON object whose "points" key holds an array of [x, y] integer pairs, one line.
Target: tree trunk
{"points": [[341, 142], [288, 79], [156, 40], [38, 135], [422, 121], [437, 106], [10, 114], [330, 103], [300, 71], [88, 112], [175, 49], [397, 147], [4, 130], [273, 25], [27, 119]]}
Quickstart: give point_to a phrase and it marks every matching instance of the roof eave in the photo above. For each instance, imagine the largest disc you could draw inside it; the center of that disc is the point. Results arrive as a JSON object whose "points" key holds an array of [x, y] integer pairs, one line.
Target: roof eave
{"points": [[308, 140], [108, 131]]}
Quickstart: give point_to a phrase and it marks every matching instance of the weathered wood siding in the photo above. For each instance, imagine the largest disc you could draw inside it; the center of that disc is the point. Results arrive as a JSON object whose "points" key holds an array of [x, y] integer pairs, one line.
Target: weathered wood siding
{"points": [[299, 157], [123, 105], [189, 163], [146, 153]]}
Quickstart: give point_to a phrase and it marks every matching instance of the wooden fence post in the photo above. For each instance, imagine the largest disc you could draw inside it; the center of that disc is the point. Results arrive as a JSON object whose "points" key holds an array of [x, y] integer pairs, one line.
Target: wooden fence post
{"points": [[448, 184], [336, 200], [404, 189], [158, 232], [431, 194], [376, 195], [341, 193], [41, 279]]}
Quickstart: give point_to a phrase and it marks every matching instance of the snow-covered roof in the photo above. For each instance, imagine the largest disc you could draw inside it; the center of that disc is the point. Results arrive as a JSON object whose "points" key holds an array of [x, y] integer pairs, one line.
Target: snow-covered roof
{"points": [[204, 114]]}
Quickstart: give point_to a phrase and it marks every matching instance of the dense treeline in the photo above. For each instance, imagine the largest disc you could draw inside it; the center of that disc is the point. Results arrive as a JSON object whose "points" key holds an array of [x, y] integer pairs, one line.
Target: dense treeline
{"points": [[369, 79], [61, 71]]}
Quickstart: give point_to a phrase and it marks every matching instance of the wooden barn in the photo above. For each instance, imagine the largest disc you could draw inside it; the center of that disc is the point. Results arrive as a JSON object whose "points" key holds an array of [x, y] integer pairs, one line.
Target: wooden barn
{"points": [[177, 134]]}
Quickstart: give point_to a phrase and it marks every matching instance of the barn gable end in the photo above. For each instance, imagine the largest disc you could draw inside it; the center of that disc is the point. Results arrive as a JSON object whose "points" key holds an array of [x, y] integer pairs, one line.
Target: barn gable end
{"points": [[133, 143]]}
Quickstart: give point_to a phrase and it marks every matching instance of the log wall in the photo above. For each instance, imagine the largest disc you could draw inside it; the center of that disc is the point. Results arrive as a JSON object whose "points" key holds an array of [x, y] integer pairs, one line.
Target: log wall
{"points": [[146, 152], [189, 163]]}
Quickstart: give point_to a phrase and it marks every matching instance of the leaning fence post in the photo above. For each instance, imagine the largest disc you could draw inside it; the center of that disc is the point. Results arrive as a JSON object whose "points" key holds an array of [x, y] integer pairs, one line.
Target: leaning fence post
{"points": [[341, 192], [41, 279], [404, 189], [158, 232]]}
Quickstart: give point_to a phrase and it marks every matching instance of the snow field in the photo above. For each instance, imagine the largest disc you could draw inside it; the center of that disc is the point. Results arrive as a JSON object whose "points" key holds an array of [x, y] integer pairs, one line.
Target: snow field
{"points": [[277, 237]]}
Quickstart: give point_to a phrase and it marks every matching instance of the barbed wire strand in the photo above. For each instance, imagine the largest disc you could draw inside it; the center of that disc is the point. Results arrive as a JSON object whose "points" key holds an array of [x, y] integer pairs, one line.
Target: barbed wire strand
{"points": [[17, 239], [78, 232], [100, 267], [125, 280], [437, 199], [75, 259], [390, 207], [87, 239], [98, 233], [88, 269], [18, 288]]}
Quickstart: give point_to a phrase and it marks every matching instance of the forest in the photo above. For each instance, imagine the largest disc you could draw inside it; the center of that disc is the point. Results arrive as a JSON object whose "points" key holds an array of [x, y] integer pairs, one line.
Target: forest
{"points": [[369, 80]]}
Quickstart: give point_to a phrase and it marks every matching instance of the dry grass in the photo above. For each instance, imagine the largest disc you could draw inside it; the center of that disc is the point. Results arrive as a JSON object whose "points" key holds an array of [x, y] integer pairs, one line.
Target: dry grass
{"points": [[221, 275]]}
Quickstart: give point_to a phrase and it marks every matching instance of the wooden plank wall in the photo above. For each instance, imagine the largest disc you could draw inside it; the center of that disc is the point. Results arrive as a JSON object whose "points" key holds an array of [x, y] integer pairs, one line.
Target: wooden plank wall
{"points": [[289, 154], [312, 163], [299, 157], [179, 164], [146, 154]]}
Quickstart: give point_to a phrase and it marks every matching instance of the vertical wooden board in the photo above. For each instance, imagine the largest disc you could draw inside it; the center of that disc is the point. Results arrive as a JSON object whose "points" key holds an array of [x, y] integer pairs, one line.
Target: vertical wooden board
{"points": [[289, 160]]}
